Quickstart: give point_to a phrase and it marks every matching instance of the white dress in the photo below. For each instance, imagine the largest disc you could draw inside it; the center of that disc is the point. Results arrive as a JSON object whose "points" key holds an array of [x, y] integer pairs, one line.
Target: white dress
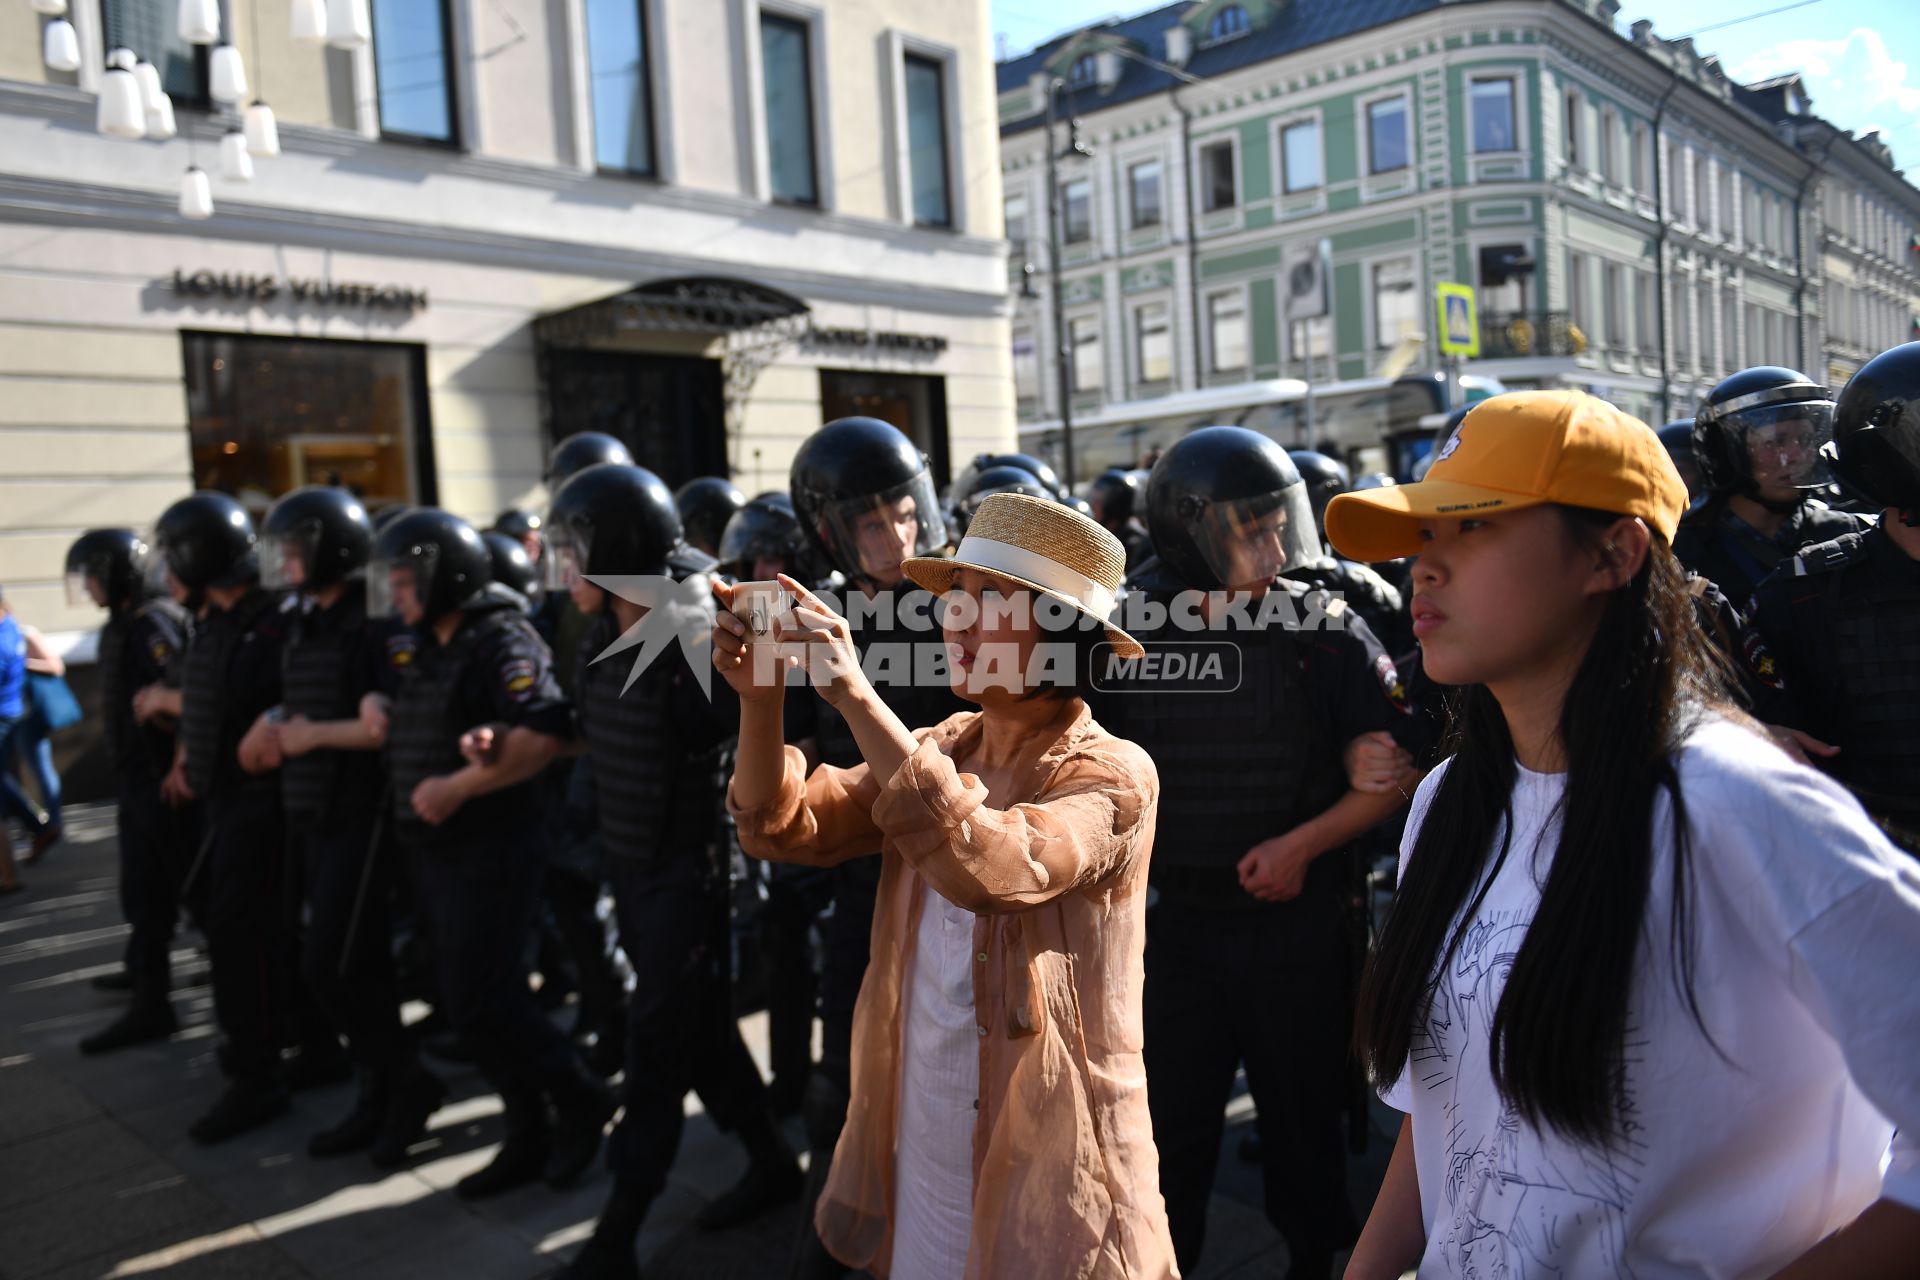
{"points": [[939, 1086]]}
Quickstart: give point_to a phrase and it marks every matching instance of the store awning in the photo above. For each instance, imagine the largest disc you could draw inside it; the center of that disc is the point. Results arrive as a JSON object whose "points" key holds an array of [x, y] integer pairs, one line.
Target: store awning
{"points": [[682, 304]]}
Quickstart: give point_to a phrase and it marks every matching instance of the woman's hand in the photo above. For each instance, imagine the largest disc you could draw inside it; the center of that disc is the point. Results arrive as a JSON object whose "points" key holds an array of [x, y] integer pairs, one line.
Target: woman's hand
{"points": [[820, 641], [735, 656]]}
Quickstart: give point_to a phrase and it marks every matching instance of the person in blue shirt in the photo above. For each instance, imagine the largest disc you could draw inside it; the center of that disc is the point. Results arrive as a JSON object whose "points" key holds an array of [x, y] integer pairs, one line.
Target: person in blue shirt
{"points": [[20, 653]]}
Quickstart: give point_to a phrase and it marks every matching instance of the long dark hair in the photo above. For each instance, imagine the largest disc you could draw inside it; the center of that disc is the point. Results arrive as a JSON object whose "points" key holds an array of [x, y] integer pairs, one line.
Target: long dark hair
{"points": [[1557, 1044]]}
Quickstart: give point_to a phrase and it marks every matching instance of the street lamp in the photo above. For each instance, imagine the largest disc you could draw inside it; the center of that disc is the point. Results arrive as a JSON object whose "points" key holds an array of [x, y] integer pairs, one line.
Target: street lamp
{"points": [[1063, 358]]}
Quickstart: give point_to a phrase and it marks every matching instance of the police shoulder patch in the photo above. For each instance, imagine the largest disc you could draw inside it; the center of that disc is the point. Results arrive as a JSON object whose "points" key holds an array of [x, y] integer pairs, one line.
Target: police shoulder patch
{"points": [[518, 676], [1390, 682]]}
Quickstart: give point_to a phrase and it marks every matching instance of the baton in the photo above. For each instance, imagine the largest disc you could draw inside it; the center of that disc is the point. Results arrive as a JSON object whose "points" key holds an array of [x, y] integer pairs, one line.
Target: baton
{"points": [[366, 878], [199, 861]]}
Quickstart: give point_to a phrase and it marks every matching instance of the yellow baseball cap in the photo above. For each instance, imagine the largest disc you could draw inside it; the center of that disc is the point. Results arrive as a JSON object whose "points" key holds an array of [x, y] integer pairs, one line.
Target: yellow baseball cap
{"points": [[1521, 449]]}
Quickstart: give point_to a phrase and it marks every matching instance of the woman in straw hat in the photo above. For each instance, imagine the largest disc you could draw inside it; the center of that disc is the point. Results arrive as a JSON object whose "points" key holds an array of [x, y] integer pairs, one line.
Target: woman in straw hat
{"points": [[999, 1121]]}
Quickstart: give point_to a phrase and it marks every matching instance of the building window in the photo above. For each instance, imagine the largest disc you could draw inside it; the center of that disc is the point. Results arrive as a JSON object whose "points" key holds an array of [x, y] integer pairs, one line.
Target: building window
{"points": [[1702, 192], [927, 142], [1017, 228], [1300, 156], [1577, 292], [1610, 147], [1026, 365], [1153, 342], [1218, 190], [267, 415], [149, 29], [1227, 331], [1077, 196], [786, 72], [622, 105], [1643, 159], [1396, 306], [1730, 328], [1492, 114], [413, 70], [1576, 107], [1229, 22], [1387, 135], [1645, 322], [1086, 69], [1143, 193], [1616, 303], [1083, 336]]}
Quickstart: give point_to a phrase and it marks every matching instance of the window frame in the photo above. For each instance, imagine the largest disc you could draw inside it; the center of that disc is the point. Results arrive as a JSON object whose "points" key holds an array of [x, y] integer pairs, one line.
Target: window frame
{"points": [[1280, 132], [1216, 32], [1138, 312], [1237, 296], [454, 141], [1409, 263], [1573, 133], [1511, 79], [941, 66], [1093, 320], [1067, 238], [644, 9], [1159, 165], [1205, 188], [810, 22], [1024, 243], [1372, 167]]}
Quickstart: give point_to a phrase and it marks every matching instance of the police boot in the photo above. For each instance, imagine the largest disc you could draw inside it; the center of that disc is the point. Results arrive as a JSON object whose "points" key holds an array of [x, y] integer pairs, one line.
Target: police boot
{"points": [[362, 1125], [522, 1157], [247, 1104], [773, 1177], [411, 1102], [320, 1062], [150, 1017], [609, 1254], [582, 1106]]}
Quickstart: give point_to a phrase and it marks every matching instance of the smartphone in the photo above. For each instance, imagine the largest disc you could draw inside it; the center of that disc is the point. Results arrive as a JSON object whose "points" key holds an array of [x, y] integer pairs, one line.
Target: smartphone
{"points": [[758, 603]]}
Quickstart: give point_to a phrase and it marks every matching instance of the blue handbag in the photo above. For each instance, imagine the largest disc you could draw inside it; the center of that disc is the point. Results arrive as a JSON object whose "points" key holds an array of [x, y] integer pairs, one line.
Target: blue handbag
{"points": [[53, 703]]}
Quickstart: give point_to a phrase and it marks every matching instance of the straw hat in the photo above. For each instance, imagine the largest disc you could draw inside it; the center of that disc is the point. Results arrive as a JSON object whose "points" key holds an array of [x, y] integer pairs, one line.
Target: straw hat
{"points": [[1040, 544]]}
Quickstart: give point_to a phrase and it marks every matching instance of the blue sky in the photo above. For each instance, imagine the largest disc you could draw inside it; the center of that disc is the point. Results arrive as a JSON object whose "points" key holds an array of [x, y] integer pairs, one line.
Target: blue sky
{"points": [[1857, 57]]}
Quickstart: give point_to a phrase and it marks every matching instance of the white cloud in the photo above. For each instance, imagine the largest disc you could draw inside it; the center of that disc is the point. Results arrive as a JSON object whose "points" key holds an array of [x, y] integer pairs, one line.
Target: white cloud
{"points": [[1857, 70]]}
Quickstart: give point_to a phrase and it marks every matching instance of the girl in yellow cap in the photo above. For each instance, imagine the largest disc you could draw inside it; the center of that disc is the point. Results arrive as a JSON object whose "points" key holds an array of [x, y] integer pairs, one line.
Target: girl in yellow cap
{"points": [[1645, 990]]}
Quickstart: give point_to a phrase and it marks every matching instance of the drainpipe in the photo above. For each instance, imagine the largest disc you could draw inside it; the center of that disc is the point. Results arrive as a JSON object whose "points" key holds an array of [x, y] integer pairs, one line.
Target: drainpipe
{"points": [[1193, 237], [1660, 250]]}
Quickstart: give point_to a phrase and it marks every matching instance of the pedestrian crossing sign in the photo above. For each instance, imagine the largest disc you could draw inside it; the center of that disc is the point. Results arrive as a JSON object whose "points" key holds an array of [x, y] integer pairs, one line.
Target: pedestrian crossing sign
{"points": [[1459, 326]]}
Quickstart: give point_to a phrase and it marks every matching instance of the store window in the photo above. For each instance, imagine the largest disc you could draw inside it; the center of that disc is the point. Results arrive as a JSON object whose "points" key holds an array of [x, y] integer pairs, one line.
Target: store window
{"points": [[268, 415]]}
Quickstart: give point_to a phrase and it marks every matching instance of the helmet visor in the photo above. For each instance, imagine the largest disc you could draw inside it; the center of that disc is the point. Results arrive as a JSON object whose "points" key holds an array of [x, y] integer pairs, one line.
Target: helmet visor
{"points": [[401, 586], [78, 597], [1786, 444], [871, 537], [1248, 542], [563, 563], [287, 559]]}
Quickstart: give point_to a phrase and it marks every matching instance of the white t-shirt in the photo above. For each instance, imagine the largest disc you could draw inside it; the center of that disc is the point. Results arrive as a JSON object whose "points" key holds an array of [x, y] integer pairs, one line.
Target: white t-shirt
{"points": [[939, 1084], [1808, 932]]}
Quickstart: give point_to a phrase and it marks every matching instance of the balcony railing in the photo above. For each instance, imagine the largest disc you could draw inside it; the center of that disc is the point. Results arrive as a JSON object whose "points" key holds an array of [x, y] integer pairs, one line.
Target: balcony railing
{"points": [[1530, 333]]}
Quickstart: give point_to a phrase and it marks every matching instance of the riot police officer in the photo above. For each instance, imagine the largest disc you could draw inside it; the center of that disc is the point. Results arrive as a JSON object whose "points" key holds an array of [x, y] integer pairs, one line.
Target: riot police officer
{"points": [[763, 539], [706, 503], [581, 450], [1247, 961], [984, 483], [1361, 586], [866, 503], [513, 573], [1114, 498], [144, 638], [1677, 436], [1036, 467], [523, 527], [1758, 440], [1833, 640], [476, 834], [232, 674], [315, 542], [655, 741]]}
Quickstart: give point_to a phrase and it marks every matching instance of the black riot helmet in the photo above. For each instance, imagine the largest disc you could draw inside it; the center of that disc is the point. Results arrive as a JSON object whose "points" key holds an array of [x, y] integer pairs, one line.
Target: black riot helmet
{"points": [[434, 556], [1677, 436], [1114, 496], [1876, 430], [206, 540], [516, 522], [511, 566], [387, 515], [865, 498], [116, 559], [1002, 479], [765, 529], [611, 519], [1762, 433], [1227, 508], [706, 503], [1326, 479], [314, 537], [1036, 467], [581, 450]]}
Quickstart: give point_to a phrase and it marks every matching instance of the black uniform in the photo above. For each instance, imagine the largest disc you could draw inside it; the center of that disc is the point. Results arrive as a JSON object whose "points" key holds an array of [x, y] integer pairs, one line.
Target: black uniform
{"points": [[1232, 980], [1727, 551], [1367, 593], [335, 655], [480, 871], [656, 751], [144, 645], [232, 675], [1832, 648]]}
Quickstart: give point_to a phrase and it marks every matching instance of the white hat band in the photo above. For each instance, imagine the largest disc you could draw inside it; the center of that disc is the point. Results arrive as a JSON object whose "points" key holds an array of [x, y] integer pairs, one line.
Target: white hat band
{"points": [[1004, 557]]}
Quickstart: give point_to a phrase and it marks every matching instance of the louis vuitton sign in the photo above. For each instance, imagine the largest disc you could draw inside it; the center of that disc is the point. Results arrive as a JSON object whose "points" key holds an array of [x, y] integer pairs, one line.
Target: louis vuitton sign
{"points": [[248, 287]]}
